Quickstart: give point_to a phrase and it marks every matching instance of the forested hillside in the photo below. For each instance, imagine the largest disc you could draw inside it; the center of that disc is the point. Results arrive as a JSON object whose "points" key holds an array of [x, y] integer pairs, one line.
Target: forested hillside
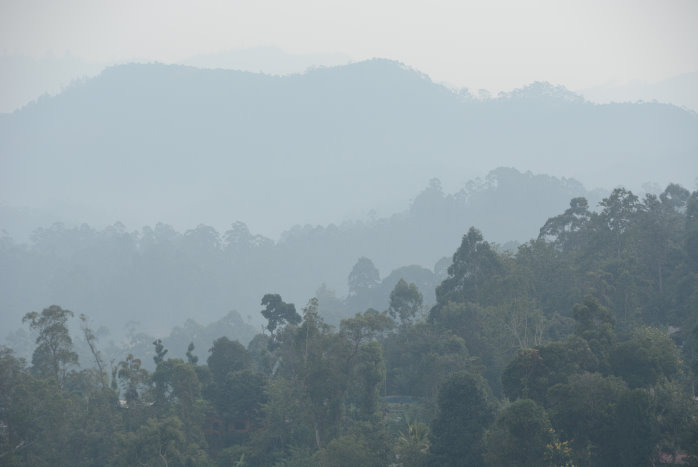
{"points": [[579, 348], [159, 277], [179, 145]]}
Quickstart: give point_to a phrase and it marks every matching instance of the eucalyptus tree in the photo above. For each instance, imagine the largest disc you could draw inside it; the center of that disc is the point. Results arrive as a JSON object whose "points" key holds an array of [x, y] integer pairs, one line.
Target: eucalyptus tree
{"points": [[54, 353]]}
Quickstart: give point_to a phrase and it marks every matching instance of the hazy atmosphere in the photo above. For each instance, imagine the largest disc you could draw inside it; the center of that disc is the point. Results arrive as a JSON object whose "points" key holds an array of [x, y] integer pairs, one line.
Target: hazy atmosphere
{"points": [[349, 233]]}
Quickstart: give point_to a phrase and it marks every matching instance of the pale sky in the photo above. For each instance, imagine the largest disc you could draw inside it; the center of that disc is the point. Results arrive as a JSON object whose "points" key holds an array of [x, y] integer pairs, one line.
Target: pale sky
{"points": [[495, 45]]}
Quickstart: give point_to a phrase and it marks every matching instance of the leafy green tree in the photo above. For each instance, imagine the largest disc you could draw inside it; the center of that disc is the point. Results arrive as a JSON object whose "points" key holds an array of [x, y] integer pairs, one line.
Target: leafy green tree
{"points": [[608, 424], [278, 312], [95, 428], [241, 396], [519, 436], [161, 442], [349, 451], [368, 374], [566, 230], [134, 380], [261, 358], [617, 215], [594, 323], [464, 415], [405, 302], [647, 357], [226, 357], [420, 358], [363, 282], [160, 352], [54, 352], [676, 414], [636, 433], [691, 241], [35, 415], [533, 371], [412, 448], [473, 275], [289, 423], [364, 327], [363, 277], [191, 358], [91, 341]]}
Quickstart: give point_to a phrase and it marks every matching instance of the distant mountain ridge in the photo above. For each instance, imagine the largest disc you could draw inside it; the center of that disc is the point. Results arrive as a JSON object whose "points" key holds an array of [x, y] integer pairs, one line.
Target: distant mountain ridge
{"points": [[147, 143]]}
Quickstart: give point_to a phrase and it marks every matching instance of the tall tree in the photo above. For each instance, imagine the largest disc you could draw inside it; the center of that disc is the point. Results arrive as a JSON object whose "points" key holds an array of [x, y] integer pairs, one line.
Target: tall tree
{"points": [[405, 302], [519, 436], [464, 415], [226, 357], [472, 277], [54, 353], [566, 229], [617, 214], [277, 312]]}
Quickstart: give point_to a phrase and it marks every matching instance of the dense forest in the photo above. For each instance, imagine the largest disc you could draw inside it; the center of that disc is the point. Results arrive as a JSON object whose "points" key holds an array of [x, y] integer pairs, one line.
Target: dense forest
{"points": [[203, 273], [578, 348]]}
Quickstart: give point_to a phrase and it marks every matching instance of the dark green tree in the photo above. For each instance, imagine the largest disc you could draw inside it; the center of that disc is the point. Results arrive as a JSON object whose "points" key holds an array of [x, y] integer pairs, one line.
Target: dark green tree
{"points": [[566, 230], [277, 312], [405, 302], [594, 323], [646, 358], [226, 357], [54, 353], [520, 436], [191, 358], [473, 276], [464, 415]]}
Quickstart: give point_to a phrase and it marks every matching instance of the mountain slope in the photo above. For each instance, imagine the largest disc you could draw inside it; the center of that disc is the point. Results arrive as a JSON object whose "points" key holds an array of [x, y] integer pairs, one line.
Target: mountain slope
{"points": [[147, 143]]}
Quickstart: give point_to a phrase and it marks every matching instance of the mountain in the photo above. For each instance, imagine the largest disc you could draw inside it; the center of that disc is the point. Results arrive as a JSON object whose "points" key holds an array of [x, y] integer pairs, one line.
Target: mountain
{"points": [[23, 79], [181, 145], [268, 60], [681, 90]]}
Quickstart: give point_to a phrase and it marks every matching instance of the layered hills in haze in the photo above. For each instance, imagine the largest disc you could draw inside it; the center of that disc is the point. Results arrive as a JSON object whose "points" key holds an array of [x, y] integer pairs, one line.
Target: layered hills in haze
{"points": [[343, 154], [148, 143]]}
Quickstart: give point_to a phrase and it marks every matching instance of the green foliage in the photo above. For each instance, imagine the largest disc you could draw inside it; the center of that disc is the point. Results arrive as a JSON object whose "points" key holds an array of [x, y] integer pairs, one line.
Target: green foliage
{"points": [[241, 396], [134, 380], [566, 230], [367, 379], [227, 356], [161, 442], [54, 352], [473, 276], [160, 352], [277, 312], [412, 448], [571, 328], [594, 323], [458, 429], [608, 423], [348, 451], [520, 436], [533, 371], [420, 357], [405, 302], [647, 357], [191, 358]]}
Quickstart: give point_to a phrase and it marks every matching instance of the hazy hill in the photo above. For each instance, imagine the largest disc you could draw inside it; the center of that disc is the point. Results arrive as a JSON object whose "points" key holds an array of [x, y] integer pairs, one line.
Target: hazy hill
{"points": [[148, 143], [159, 277]]}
